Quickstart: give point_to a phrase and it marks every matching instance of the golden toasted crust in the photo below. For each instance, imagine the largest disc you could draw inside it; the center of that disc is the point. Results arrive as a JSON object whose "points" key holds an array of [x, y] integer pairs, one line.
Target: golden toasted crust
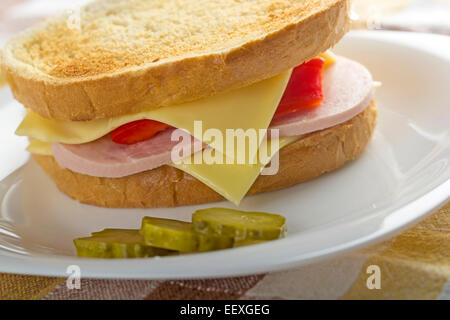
{"points": [[70, 75], [2, 74], [305, 159]]}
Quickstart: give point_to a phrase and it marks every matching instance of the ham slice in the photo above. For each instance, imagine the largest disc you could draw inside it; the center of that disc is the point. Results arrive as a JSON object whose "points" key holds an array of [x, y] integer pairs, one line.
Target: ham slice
{"points": [[348, 90], [106, 159]]}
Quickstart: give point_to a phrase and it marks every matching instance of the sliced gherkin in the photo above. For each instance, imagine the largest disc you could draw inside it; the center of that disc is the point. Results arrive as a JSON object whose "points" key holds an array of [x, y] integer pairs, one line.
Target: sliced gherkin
{"points": [[117, 244], [180, 236], [240, 225]]}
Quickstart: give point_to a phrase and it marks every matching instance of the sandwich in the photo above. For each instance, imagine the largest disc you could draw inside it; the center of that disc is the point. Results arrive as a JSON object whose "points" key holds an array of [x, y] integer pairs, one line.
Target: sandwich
{"points": [[111, 88]]}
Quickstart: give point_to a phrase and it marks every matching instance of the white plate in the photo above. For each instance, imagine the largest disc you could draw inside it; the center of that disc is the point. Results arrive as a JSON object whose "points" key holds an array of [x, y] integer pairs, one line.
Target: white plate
{"points": [[404, 175]]}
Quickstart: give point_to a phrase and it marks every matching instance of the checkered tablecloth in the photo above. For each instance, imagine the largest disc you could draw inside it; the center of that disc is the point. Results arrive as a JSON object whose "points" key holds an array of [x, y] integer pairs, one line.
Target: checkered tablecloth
{"points": [[414, 265]]}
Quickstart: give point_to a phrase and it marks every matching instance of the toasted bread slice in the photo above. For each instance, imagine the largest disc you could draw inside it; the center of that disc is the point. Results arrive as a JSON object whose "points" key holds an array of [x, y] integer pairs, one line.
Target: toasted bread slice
{"points": [[2, 74], [115, 57], [2, 79]]}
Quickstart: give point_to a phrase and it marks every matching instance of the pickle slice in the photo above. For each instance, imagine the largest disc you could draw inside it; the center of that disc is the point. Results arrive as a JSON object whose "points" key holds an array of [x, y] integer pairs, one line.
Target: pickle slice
{"points": [[117, 244], [240, 225], [180, 236]]}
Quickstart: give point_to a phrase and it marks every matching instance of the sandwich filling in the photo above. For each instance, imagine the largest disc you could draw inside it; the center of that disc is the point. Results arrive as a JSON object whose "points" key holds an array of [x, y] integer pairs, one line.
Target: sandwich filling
{"points": [[123, 146]]}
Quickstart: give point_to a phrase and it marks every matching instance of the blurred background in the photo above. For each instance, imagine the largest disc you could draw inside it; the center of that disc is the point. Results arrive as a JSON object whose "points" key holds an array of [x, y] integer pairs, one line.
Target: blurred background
{"points": [[410, 15]]}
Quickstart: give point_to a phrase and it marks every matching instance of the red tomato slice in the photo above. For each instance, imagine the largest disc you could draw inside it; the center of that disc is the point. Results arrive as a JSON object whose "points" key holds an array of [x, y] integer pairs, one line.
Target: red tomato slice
{"points": [[137, 131], [304, 90]]}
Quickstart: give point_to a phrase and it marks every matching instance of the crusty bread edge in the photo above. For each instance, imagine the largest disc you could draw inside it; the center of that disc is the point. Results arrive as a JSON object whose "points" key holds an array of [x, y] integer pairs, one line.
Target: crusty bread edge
{"points": [[309, 157], [2, 74], [165, 84]]}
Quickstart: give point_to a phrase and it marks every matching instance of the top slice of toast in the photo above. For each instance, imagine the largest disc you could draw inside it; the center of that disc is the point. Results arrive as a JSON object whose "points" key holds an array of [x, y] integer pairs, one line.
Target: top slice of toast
{"points": [[114, 57]]}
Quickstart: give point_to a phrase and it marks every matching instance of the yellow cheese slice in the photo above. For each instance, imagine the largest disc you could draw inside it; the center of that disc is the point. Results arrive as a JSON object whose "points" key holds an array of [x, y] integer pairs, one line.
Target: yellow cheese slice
{"points": [[232, 181], [330, 58], [40, 147], [251, 107]]}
